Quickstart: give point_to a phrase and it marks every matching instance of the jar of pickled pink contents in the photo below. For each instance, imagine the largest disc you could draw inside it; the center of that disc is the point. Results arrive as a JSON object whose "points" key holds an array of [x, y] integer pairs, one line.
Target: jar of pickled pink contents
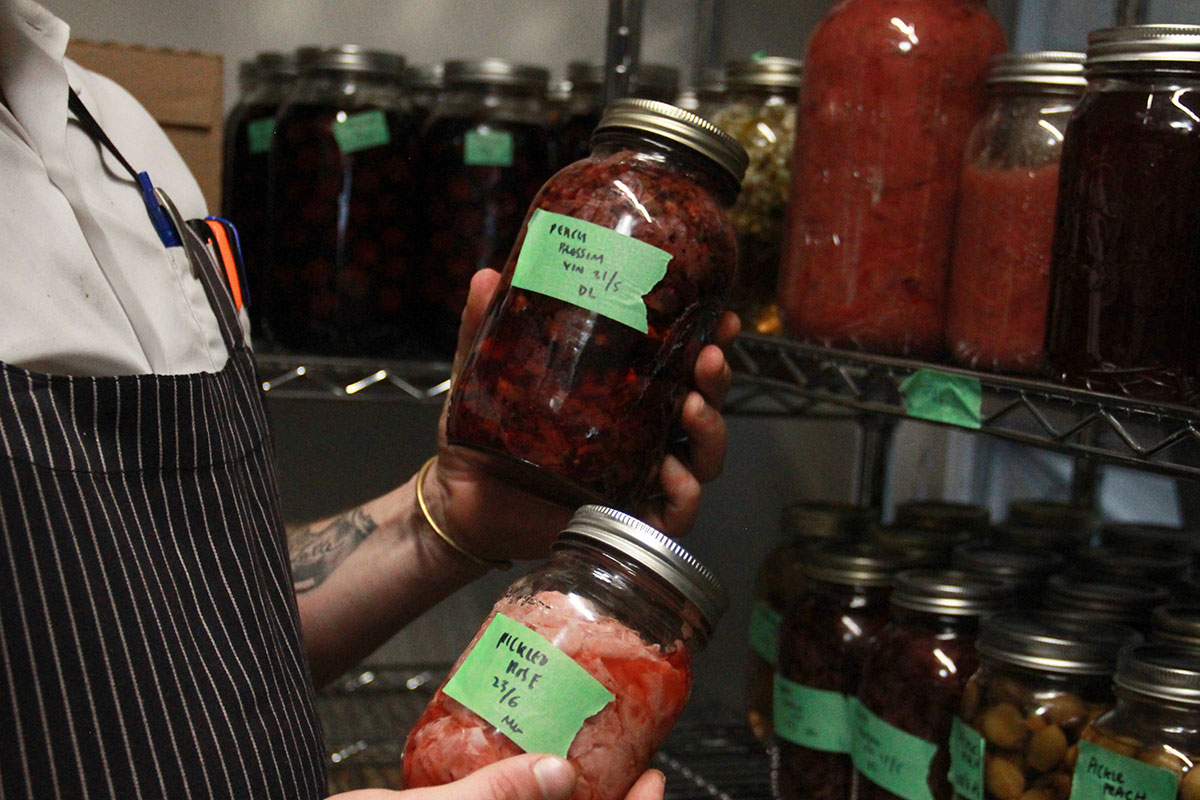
{"points": [[573, 386], [588, 657]]}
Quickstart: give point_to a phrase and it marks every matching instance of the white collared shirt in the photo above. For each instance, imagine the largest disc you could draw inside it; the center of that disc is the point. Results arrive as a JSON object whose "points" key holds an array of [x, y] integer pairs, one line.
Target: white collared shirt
{"points": [[86, 286]]}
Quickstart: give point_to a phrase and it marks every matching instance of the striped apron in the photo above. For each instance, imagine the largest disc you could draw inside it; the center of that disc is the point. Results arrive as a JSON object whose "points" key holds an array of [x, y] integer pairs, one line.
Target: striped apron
{"points": [[149, 636]]}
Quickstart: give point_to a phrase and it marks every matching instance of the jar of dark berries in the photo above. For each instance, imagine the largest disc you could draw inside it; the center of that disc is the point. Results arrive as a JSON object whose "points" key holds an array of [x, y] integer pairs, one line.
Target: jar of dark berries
{"points": [[425, 84], [341, 204], [1041, 679], [485, 152], [823, 642], [912, 683], [574, 384], [584, 107]]}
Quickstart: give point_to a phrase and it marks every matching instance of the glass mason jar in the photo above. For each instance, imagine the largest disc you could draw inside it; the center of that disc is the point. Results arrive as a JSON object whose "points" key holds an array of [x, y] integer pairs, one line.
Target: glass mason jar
{"points": [[1027, 568], [655, 82], [1144, 538], [1041, 679], [485, 151], [824, 639], [711, 92], [1119, 564], [1030, 537], [588, 656], [1125, 291], [1053, 514], [573, 386], [425, 85], [779, 584], [584, 108], [1148, 745], [912, 683], [340, 202], [942, 515], [1129, 602], [1177, 624], [1000, 271], [891, 91], [931, 548], [759, 111], [246, 185]]}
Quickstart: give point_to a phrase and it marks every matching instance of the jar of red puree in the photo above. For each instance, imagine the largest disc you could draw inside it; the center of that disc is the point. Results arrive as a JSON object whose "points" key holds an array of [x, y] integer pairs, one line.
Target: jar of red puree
{"points": [[588, 657], [891, 91], [573, 386], [1000, 273]]}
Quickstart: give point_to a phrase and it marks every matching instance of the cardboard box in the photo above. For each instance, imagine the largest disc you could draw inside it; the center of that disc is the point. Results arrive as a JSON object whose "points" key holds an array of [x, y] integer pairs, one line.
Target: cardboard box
{"points": [[182, 89]]}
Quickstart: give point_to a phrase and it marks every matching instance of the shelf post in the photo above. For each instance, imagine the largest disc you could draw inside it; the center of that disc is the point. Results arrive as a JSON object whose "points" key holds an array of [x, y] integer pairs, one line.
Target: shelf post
{"points": [[874, 444]]}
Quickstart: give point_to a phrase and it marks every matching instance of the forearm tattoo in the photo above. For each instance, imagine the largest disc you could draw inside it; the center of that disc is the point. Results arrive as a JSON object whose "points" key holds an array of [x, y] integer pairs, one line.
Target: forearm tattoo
{"points": [[317, 550]]}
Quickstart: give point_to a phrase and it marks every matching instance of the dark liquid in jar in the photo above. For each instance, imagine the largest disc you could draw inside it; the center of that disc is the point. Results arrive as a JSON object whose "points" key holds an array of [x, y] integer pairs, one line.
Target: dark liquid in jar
{"points": [[591, 401], [575, 136], [342, 237], [472, 217], [245, 202], [1125, 275]]}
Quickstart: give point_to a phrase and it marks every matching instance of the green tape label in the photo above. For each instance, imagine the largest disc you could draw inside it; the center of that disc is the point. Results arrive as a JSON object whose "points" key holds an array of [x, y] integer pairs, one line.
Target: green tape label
{"points": [[366, 129], [815, 718], [531, 691], [259, 133], [941, 397], [764, 632], [889, 757], [484, 148], [966, 760], [589, 266], [1101, 774]]}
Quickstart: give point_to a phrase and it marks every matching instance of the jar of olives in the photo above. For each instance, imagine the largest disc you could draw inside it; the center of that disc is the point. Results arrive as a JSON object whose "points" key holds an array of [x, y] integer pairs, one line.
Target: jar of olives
{"points": [[912, 683], [1148, 745], [823, 642], [1041, 679]]}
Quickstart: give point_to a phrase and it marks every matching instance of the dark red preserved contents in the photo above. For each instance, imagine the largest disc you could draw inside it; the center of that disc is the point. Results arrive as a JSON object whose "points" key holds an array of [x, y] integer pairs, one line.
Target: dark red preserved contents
{"points": [[244, 201], [1125, 288], [471, 218], [589, 401], [891, 91], [341, 236], [1000, 278]]}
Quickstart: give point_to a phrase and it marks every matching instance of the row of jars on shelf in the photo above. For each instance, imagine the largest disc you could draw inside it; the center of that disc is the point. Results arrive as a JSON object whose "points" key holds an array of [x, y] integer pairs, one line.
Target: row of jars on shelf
{"points": [[939, 658]]}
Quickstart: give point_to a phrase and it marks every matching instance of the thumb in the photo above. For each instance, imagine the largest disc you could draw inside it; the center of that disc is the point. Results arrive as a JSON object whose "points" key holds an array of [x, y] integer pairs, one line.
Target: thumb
{"points": [[526, 777]]}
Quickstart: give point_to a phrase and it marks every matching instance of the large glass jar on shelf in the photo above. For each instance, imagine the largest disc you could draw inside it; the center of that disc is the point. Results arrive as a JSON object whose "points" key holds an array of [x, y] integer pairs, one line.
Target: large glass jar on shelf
{"points": [[585, 104], [823, 642], [1041, 679], [485, 152], [912, 683], [655, 82], [891, 91], [1000, 272], [573, 386], [1125, 291], [341, 201], [759, 110], [425, 84]]}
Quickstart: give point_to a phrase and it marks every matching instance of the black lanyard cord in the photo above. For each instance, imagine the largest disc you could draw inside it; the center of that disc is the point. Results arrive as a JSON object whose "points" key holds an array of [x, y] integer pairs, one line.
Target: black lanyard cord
{"points": [[93, 129]]}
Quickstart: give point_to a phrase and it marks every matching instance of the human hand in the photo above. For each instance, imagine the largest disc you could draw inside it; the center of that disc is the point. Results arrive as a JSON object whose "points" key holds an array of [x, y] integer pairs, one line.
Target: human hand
{"points": [[494, 520], [525, 777]]}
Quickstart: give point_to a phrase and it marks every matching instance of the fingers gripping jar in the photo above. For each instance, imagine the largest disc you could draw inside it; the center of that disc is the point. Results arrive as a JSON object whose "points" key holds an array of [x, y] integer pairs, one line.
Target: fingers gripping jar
{"points": [[576, 378], [588, 656]]}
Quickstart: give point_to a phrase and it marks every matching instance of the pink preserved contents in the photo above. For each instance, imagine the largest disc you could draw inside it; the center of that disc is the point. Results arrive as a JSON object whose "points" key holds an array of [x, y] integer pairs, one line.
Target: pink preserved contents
{"points": [[651, 684]]}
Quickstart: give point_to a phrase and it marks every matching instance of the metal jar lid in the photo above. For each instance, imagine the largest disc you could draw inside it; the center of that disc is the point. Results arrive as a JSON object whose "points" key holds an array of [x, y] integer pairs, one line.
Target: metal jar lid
{"points": [[949, 592], [941, 515], [496, 72], [1130, 602], [926, 548], [1144, 47], [1160, 671], [818, 519], [350, 58], [425, 77], [684, 127], [853, 563], [1053, 643], [1038, 538], [608, 529], [655, 82], [1177, 624], [1120, 565], [1048, 69], [584, 75], [1141, 537], [1052, 514], [772, 72], [1015, 564]]}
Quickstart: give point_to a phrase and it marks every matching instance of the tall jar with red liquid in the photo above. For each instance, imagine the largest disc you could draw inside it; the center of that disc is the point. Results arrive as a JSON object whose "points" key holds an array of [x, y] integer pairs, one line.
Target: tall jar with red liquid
{"points": [[573, 386], [1125, 288], [1000, 273], [891, 91]]}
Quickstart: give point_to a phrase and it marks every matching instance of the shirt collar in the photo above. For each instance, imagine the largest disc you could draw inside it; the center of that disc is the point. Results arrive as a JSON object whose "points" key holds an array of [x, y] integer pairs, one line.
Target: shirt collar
{"points": [[33, 43]]}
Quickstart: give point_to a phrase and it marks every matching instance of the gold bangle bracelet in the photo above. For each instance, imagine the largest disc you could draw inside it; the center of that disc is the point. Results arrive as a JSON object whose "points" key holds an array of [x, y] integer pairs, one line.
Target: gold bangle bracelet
{"points": [[483, 562]]}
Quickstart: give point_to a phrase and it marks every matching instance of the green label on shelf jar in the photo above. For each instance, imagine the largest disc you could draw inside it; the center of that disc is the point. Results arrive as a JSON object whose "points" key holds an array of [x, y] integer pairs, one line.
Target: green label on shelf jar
{"points": [[589, 266], [942, 397], [527, 688], [890, 758], [966, 760], [259, 133], [1102, 774], [484, 148], [815, 718], [366, 129], [764, 632]]}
